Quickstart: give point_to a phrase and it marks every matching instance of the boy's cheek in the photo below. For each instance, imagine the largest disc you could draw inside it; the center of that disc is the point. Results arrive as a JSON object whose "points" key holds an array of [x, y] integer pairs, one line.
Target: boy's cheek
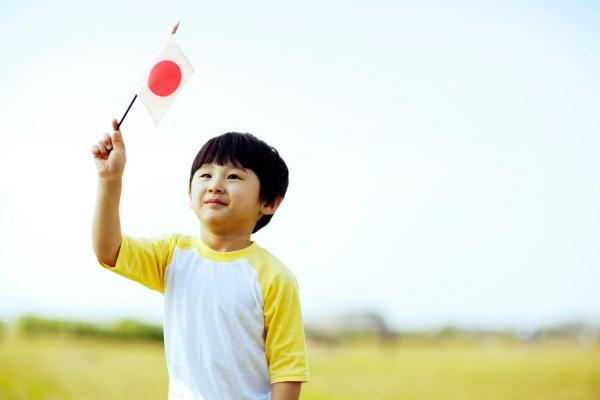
{"points": [[194, 201]]}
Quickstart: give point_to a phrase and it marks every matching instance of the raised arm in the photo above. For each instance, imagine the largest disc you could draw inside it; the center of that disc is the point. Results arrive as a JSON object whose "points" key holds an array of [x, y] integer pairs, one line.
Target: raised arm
{"points": [[109, 154]]}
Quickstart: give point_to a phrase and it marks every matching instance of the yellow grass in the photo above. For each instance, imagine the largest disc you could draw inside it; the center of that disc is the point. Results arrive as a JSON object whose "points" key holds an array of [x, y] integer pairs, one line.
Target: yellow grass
{"points": [[64, 368]]}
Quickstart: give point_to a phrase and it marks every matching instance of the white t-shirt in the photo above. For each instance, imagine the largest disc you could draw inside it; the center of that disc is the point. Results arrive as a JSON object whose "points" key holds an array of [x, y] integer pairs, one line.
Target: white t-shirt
{"points": [[232, 320]]}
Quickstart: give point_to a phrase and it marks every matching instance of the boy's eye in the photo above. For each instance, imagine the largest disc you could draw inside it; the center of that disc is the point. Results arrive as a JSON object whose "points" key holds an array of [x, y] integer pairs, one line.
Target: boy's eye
{"points": [[233, 176], [205, 175]]}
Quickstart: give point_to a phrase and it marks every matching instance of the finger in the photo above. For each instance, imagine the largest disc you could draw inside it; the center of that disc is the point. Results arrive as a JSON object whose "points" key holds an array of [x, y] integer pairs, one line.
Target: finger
{"points": [[117, 140], [102, 149], [95, 150], [107, 141], [115, 125]]}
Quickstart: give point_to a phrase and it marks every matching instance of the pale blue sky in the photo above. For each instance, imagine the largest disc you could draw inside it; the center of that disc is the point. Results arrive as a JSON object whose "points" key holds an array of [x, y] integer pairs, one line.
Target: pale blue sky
{"points": [[443, 155]]}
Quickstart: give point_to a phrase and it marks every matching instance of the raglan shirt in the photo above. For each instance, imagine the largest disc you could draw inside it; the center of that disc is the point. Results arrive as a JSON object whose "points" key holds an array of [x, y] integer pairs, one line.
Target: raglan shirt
{"points": [[232, 320]]}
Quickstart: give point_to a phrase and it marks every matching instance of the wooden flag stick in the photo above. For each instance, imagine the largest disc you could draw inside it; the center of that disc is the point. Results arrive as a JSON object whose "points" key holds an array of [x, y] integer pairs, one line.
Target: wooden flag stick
{"points": [[173, 31]]}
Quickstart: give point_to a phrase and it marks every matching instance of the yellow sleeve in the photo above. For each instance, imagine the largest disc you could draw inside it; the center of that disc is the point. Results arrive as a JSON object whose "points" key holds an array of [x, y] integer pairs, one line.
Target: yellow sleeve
{"points": [[285, 345], [144, 260]]}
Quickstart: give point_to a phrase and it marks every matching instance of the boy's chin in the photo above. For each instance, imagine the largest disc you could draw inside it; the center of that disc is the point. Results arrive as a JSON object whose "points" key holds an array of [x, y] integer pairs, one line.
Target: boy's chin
{"points": [[211, 220], [208, 216], [214, 223]]}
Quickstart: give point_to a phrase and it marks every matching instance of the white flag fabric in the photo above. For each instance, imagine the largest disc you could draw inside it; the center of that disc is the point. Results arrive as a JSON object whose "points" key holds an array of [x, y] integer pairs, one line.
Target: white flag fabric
{"points": [[165, 79]]}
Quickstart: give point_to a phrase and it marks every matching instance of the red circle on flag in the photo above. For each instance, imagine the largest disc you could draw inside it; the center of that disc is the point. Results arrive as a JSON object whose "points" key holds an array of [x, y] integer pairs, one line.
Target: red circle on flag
{"points": [[164, 78]]}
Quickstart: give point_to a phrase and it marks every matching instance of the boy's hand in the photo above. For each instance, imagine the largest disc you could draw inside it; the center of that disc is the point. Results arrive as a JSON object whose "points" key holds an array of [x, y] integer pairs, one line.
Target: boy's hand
{"points": [[109, 154]]}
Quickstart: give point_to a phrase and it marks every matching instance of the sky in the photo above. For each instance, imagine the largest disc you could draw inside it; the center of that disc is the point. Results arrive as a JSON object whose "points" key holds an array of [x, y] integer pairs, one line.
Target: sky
{"points": [[443, 155]]}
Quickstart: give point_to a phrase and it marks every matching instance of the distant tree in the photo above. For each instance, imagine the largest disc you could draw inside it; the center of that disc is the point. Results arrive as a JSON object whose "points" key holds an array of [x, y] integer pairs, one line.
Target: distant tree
{"points": [[124, 329]]}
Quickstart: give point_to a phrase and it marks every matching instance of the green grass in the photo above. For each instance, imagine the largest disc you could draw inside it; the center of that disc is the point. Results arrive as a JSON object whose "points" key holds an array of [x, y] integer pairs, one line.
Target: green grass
{"points": [[66, 368]]}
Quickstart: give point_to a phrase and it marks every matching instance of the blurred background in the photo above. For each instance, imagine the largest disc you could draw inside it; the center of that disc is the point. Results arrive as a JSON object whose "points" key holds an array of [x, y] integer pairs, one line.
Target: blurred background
{"points": [[443, 214]]}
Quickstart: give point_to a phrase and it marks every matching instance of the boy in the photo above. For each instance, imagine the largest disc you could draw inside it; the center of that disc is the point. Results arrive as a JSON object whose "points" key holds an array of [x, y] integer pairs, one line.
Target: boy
{"points": [[232, 322]]}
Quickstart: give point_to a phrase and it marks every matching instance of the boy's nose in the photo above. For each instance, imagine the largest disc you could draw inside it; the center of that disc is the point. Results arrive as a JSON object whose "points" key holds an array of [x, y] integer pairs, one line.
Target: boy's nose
{"points": [[215, 187]]}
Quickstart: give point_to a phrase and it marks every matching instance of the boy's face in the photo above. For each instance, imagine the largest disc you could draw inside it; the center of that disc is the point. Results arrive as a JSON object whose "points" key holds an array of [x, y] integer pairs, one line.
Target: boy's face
{"points": [[225, 198]]}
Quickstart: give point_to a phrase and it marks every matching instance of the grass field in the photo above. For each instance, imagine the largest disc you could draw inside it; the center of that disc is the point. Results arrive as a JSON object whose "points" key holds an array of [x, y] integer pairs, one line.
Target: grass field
{"points": [[66, 368]]}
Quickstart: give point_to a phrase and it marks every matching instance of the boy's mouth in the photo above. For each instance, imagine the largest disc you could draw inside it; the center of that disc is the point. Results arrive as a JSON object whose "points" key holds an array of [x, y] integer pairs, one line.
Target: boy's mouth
{"points": [[215, 201]]}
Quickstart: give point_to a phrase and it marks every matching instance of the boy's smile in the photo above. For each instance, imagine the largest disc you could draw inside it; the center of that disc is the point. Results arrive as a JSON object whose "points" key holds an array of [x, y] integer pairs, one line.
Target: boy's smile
{"points": [[225, 198], [215, 202]]}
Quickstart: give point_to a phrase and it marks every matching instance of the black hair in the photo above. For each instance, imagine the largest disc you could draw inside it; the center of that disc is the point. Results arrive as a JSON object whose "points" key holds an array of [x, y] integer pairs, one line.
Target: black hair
{"points": [[247, 151]]}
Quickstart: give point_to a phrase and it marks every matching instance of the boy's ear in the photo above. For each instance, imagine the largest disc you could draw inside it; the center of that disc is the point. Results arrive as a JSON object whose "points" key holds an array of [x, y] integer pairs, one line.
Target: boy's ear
{"points": [[270, 208]]}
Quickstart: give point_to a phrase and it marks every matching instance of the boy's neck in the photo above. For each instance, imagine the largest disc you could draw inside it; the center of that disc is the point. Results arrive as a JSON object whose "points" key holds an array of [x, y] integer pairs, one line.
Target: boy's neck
{"points": [[227, 242]]}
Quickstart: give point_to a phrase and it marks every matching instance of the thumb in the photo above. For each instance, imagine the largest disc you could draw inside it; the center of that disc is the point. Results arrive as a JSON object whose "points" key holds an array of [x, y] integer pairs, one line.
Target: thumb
{"points": [[117, 140]]}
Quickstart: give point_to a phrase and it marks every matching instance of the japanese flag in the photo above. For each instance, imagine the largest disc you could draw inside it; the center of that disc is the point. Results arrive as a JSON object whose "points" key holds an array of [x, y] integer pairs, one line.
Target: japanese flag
{"points": [[168, 74]]}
